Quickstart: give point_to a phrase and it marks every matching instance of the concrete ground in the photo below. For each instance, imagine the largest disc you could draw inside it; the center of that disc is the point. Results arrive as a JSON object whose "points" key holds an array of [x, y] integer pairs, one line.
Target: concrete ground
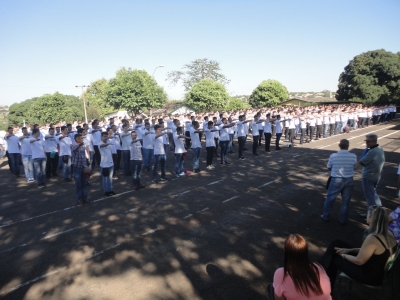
{"points": [[214, 235]]}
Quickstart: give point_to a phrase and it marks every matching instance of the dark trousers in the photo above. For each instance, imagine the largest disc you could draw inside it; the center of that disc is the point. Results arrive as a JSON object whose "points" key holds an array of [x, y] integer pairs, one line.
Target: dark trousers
{"points": [[333, 263], [319, 131], [241, 140], [187, 141], [126, 161], [224, 150], [210, 155], [117, 163], [278, 138], [255, 143], [286, 133], [331, 129], [302, 135], [267, 136], [171, 141], [291, 135], [97, 156], [216, 141], [115, 158], [312, 130], [260, 132], [51, 165]]}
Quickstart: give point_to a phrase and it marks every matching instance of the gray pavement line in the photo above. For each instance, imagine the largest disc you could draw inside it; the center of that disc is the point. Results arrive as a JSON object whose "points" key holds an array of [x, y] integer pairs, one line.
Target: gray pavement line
{"points": [[188, 216], [204, 209], [268, 183], [32, 281], [234, 197], [214, 182], [380, 137], [151, 231], [179, 194], [31, 218], [66, 231]]}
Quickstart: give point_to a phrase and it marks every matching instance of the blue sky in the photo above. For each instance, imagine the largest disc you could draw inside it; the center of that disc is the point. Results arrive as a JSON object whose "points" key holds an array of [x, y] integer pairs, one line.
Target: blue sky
{"points": [[49, 46]]}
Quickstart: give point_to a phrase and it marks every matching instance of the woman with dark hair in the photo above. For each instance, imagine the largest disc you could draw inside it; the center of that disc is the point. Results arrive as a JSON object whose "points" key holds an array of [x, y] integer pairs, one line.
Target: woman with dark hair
{"points": [[366, 264], [300, 278]]}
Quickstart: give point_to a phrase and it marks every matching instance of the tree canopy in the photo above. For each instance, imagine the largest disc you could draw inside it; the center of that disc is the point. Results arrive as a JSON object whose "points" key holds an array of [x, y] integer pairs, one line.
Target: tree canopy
{"points": [[196, 71], [96, 98], [207, 94], [135, 91], [370, 77], [268, 93], [236, 103]]}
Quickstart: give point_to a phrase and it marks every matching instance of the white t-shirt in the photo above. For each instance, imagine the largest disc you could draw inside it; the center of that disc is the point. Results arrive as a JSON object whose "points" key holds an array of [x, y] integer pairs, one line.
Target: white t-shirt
{"points": [[106, 156], [96, 137], [38, 149], [158, 145], [126, 140], [179, 147], [65, 145], [278, 127], [254, 128], [26, 146], [51, 144], [12, 144], [136, 151], [210, 142], [112, 143], [195, 138], [88, 141], [148, 139], [224, 134], [267, 127], [241, 128]]}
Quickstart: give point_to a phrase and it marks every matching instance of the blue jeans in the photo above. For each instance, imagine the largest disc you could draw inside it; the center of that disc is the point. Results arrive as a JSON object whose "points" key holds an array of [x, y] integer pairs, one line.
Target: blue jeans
{"points": [[66, 169], [196, 157], [296, 130], [338, 125], [369, 187], [160, 159], [136, 169], [224, 149], [147, 157], [216, 145], [106, 181], [341, 185], [179, 163], [91, 160], [28, 166], [343, 127], [40, 169], [80, 183], [15, 161], [230, 142], [326, 126], [126, 160]]}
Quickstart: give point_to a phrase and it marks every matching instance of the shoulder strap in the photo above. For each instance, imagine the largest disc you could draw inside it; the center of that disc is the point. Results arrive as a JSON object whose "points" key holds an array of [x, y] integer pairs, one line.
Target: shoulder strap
{"points": [[380, 241]]}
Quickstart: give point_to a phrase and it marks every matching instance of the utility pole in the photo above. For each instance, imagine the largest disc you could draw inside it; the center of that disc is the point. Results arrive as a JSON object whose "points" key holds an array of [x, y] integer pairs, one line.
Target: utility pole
{"points": [[83, 98]]}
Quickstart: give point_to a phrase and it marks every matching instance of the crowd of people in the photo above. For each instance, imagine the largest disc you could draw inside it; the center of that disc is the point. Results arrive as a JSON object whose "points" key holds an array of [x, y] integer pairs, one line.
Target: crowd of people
{"points": [[129, 146]]}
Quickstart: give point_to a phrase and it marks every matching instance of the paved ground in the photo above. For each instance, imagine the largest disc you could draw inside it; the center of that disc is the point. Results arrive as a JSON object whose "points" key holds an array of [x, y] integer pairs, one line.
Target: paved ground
{"points": [[213, 235]]}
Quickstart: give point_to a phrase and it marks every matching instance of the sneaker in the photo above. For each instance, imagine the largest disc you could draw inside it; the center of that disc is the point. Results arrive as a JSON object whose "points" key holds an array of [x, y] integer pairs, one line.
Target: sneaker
{"points": [[188, 172], [212, 166], [107, 194], [154, 181], [141, 186], [255, 154], [177, 175], [67, 179], [115, 177], [242, 158], [221, 163], [182, 174], [80, 202], [163, 179], [86, 201], [208, 168], [227, 162], [31, 180], [41, 186], [112, 193]]}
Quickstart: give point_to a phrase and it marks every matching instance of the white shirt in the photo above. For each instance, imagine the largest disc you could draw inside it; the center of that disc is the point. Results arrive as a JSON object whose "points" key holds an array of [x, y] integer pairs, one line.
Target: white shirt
{"points": [[267, 127], [26, 146], [51, 144], [210, 142], [241, 128], [179, 147], [195, 138], [148, 139], [65, 145], [106, 156], [254, 128], [278, 127], [88, 141], [126, 140], [96, 137], [136, 151], [224, 134], [12, 144], [38, 149], [158, 145]]}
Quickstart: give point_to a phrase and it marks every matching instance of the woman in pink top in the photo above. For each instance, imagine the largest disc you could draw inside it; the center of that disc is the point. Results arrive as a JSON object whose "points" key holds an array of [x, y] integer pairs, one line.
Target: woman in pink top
{"points": [[300, 278]]}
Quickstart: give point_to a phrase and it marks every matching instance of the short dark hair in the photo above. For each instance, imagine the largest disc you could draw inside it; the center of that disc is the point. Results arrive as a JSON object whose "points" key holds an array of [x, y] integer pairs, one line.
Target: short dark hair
{"points": [[179, 128], [69, 125], [23, 128], [156, 127], [76, 136], [9, 127], [35, 130], [210, 123], [104, 133], [80, 130], [63, 128]]}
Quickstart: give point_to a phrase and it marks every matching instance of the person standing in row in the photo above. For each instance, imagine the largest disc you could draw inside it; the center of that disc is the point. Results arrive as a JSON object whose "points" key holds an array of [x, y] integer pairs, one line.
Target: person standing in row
{"points": [[196, 146], [159, 154], [255, 133], [26, 154], [136, 160], [79, 153], [148, 148], [126, 139], [13, 151], [278, 132], [180, 151], [38, 158], [51, 146], [241, 125], [268, 132], [224, 140], [65, 153], [106, 165]]}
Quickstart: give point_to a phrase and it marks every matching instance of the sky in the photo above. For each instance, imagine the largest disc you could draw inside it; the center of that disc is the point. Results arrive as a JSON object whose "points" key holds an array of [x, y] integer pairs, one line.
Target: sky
{"points": [[54, 45]]}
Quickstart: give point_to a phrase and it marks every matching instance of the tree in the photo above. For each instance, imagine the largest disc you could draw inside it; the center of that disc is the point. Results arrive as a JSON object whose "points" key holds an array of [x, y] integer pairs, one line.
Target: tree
{"points": [[371, 76], [96, 99], [196, 71], [207, 94], [20, 112], [135, 91], [235, 104], [268, 93]]}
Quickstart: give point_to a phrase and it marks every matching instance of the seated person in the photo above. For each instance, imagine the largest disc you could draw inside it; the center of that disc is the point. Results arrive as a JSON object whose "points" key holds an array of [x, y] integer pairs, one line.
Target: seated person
{"points": [[299, 278], [365, 265]]}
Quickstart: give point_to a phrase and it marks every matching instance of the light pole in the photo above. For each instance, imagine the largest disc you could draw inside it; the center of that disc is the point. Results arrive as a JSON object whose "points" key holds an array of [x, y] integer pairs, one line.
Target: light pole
{"points": [[83, 98], [156, 69]]}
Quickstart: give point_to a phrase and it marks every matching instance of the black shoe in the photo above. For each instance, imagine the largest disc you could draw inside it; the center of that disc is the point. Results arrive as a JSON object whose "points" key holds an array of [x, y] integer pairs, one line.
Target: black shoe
{"points": [[267, 151], [140, 186], [55, 175], [255, 154], [227, 163], [277, 149], [323, 219], [245, 149], [112, 193], [86, 201], [242, 158], [221, 163], [231, 152], [67, 179], [80, 202], [163, 179], [88, 184], [364, 216], [107, 194]]}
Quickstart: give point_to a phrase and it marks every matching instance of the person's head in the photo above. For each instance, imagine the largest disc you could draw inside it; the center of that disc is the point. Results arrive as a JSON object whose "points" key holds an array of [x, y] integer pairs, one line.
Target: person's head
{"points": [[210, 124], [206, 118], [177, 123], [298, 266], [64, 130], [179, 130], [371, 140], [104, 137], [157, 129], [35, 132], [344, 144], [69, 126], [133, 135], [114, 128], [147, 125], [94, 124], [224, 121], [78, 138], [24, 131], [256, 117], [58, 129], [196, 125], [51, 130]]}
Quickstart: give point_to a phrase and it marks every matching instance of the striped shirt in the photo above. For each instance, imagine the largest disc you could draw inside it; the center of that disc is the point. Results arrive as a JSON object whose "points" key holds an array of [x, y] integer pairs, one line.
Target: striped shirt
{"points": [[342, 164]]}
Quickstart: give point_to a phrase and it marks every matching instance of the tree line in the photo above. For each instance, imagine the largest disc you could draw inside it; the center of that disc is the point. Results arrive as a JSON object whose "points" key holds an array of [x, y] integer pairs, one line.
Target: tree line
{"points": [[371, 77]]}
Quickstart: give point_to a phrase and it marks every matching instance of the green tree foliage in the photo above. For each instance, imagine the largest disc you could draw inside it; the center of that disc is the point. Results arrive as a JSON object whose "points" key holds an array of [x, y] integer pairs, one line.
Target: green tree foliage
{"points": [[235, 104], [371, 76], [135, 91], [196, 71], [96, 99], [268, 93], [207, 94], [18, 112]]}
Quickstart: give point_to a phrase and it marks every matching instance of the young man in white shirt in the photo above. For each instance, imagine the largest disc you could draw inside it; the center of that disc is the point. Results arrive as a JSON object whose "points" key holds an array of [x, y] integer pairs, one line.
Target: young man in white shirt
{"points": [[278, 132], [255, 133], [242, 134], [224, 139], [13, 151], [126, 139], [136, 160], [51, 147], [38, 157], [106, 165], [268, 132], [180, 151], [159, 153], [26, 154], [196, 146], [96, 140], [148, 147], [65, 153], [210, 143]]}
